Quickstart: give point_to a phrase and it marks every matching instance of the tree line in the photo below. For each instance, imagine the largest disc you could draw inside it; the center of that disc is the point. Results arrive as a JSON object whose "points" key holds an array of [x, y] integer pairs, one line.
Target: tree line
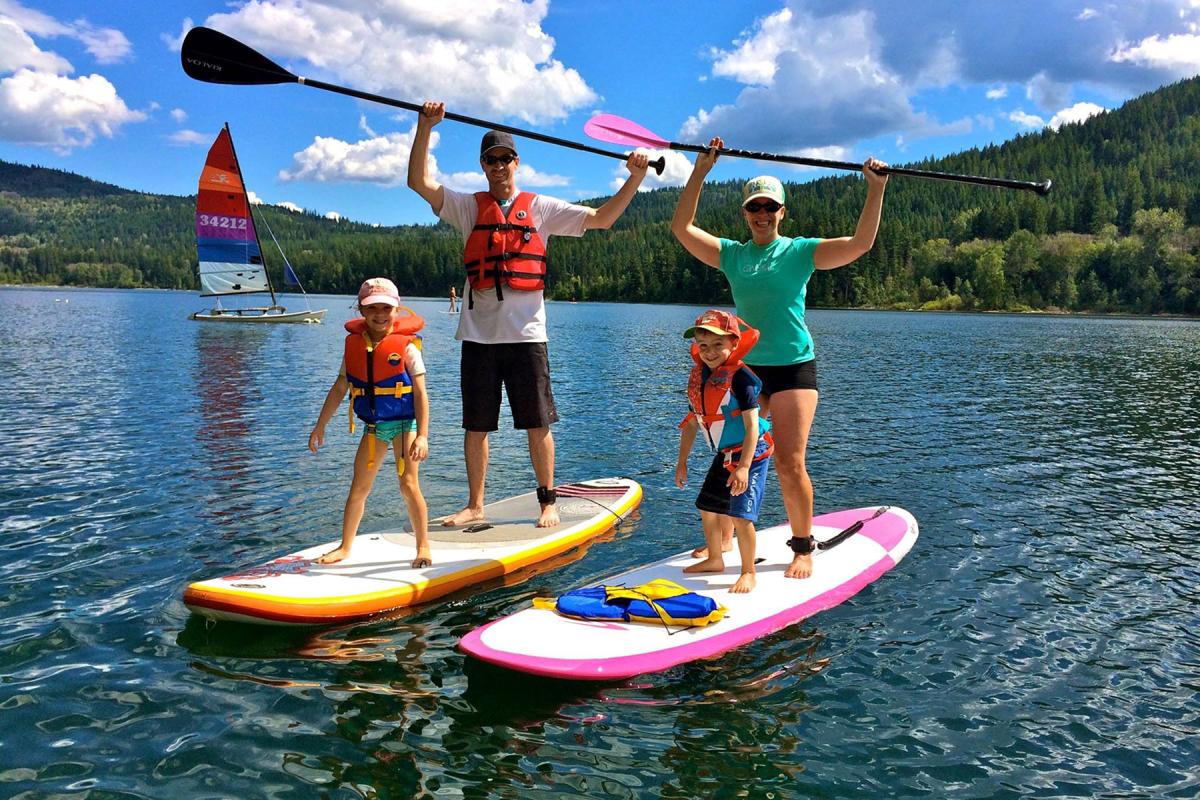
{"points": [[1120, 231]]}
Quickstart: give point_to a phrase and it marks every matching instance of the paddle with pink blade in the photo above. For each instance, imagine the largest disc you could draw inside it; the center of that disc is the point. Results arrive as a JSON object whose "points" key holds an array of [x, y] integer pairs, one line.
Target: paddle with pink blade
{"points": [[618, 130]]}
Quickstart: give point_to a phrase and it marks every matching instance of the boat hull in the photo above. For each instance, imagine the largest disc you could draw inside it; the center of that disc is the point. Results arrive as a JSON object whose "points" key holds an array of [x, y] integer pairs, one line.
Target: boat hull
{"points": [[256, 315]]}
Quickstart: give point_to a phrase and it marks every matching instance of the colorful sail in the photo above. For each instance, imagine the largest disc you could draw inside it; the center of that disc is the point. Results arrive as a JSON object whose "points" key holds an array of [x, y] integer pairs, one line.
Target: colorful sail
{"points": [[230, 257]]}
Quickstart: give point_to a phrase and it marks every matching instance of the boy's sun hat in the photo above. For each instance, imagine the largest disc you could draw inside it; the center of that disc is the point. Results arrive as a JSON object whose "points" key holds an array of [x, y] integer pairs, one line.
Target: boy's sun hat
{"points": [[378, 290], [763, 186], [715, 321]]}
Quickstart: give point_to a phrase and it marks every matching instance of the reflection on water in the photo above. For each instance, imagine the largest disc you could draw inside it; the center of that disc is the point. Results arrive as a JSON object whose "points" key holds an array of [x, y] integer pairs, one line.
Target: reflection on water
{"points": [[1041, 640], [226, 359]]}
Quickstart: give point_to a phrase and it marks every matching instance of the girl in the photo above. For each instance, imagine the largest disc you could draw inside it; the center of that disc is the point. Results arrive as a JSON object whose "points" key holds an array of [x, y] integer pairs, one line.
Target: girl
{"points": [[383, 369]]}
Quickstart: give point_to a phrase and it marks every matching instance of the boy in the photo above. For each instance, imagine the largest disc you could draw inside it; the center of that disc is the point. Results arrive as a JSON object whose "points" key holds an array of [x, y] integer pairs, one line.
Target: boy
{"points": [[723, 398]]}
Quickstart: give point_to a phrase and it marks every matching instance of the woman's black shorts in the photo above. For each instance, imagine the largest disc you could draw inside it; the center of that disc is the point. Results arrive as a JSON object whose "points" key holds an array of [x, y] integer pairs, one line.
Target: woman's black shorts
{"points": [[789, 376]]}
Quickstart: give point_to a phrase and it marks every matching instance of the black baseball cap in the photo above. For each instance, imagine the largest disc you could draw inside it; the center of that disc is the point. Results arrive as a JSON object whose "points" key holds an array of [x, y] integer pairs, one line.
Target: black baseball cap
{"points": [[497, 139]]}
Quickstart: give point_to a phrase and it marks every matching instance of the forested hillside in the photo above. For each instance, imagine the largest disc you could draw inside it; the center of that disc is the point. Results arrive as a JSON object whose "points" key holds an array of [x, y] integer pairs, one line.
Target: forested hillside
{"points": [[1120, 231]]}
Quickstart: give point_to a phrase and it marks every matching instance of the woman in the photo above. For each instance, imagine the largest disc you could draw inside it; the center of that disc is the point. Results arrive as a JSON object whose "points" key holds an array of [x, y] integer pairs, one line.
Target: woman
{"points": [[769, 278]]}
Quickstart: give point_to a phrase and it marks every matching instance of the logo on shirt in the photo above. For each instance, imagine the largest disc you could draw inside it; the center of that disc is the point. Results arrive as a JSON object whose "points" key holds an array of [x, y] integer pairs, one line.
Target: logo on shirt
{"points": [[394, 359]]}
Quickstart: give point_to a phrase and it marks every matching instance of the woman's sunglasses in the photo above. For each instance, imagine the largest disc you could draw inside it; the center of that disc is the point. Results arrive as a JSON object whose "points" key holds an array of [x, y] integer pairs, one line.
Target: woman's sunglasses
{"points": [[505, 159], [769, 205]]}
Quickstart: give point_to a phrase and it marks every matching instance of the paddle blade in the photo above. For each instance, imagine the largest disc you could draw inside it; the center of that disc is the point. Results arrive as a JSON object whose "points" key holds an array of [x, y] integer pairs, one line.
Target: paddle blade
{"points": [[213, 57], [618, 130]]}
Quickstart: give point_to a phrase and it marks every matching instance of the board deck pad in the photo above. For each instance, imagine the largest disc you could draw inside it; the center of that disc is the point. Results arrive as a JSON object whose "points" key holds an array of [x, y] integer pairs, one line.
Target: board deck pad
{"points": [[377, 576], [542, 642]]}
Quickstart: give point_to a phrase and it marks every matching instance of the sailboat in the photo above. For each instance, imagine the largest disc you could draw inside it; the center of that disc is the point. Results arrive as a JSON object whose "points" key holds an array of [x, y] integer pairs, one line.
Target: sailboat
{"points": [[230, 257]]}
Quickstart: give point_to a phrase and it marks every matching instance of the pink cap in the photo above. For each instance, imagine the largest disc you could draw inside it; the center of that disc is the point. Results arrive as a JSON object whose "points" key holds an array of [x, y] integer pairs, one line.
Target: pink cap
{"points": [[378, 290]]}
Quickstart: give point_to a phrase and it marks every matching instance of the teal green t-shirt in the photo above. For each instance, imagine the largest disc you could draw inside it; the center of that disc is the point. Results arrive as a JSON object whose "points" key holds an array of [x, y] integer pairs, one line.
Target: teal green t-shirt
{"points": [[769, 285]]}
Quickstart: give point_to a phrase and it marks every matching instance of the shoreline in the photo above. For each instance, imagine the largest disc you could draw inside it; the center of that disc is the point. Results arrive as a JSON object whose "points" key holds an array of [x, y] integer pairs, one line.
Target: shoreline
{"points": [[997, 312]]}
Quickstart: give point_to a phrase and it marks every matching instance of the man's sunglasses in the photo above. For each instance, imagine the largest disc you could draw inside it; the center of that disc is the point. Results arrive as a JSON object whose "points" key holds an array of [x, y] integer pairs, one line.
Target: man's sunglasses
{"points": [[505, 159], [754, 206]]}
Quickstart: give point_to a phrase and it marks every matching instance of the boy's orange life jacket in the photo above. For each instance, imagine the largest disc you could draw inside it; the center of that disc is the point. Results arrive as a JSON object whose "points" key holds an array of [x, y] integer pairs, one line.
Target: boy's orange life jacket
{"points": [[706, 396], [505, 251], [380, 386]]}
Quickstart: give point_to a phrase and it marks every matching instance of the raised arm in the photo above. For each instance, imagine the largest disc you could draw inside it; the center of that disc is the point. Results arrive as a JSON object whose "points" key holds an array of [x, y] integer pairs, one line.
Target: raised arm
{"points": [[418, 174], [700, 243], [834, 253], [603, 217]]}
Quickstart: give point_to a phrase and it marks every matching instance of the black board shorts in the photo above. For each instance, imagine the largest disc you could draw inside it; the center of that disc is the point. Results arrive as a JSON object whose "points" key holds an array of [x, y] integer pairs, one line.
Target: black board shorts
{"points": [[522, 368], [790, 376]]}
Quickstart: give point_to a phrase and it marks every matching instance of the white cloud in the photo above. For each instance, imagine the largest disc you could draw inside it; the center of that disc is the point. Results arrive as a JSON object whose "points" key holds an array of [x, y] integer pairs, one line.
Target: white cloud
{"points": [[676, 169], [39, 104], [64, 113], [175, 43], [253, 197], [528, 176], [807, 58], [1031, 121], [380, 159], [479, 56], [755, 54], [1087, 13], [17, 50], [1076, 113], [290, 206], [334, 215], [179, 115], [997, 93], [106, 45], [189, 137], [1177, 53]]}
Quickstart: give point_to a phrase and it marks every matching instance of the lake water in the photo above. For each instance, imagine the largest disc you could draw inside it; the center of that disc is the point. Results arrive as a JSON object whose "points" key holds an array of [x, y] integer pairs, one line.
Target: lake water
{"points": [[1041, 640]]}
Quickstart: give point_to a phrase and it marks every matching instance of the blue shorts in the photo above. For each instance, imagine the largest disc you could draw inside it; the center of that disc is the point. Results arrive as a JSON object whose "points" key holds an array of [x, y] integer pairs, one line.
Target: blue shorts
{"points": [[715, 496], [389, 429]]}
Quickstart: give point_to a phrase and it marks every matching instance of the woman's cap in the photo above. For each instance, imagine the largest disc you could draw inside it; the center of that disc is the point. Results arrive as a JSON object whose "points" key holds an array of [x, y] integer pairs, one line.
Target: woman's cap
{"points": [[378, 290], [715, 321], [763, 186], [497, 139]]}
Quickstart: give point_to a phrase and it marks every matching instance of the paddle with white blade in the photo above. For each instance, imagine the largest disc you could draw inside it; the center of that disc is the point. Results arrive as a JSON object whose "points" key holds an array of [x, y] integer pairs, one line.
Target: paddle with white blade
{"points": [[214, 57], [618, 130]]}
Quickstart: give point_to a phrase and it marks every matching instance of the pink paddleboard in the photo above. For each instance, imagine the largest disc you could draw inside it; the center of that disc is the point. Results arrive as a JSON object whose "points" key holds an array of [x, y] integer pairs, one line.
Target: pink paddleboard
{"points": [[542, 642]]}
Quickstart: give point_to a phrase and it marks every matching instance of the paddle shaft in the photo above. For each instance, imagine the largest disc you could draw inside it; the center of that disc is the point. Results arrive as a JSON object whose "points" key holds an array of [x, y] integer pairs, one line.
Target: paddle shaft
{"points": [[658, 164], [1040, 188]]}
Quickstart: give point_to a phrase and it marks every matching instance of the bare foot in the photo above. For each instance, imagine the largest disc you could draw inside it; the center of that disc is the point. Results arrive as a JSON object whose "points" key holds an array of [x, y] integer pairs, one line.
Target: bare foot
{"points": [[707, 565], [702, 552], [548, 517], [467, 514], [334, 556], [745, 582], [801, 567]]}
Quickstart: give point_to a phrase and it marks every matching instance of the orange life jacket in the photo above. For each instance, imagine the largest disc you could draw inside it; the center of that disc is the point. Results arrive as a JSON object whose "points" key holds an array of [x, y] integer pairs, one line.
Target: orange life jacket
{"points": [[505, 251], [380, 386], [705, 398]]}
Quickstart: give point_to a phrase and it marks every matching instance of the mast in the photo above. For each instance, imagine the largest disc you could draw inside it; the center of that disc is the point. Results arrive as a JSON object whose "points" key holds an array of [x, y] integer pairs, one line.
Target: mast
{"points": [[250, 211]]}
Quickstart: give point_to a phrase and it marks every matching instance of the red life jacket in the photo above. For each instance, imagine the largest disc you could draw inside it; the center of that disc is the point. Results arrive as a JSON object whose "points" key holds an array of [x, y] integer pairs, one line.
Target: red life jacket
{"points": [[380, 386], [505, 251], [705, 396]]}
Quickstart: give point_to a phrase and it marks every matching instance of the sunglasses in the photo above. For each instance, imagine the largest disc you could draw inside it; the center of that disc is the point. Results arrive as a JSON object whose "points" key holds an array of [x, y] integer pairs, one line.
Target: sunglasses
{"points": [[505, 159], [769, 205]]}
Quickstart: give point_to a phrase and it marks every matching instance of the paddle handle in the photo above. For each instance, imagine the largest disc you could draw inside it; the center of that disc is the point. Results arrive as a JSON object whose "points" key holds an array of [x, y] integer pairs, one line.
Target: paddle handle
{"points": [[1042, 188], [658, 164]]}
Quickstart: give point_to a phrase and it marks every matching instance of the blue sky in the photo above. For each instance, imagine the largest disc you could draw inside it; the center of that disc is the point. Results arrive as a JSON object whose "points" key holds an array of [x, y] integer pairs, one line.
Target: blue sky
{"points": [[96, 88]]}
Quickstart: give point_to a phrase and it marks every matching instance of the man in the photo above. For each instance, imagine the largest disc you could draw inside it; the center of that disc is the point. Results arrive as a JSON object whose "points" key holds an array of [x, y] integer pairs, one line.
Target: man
{"points": [[502, 319]]}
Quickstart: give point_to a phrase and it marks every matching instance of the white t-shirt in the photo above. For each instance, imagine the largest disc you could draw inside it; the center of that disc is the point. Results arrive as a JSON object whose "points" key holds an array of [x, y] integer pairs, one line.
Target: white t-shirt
{"points": [[414, 363], [520, 316]]}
